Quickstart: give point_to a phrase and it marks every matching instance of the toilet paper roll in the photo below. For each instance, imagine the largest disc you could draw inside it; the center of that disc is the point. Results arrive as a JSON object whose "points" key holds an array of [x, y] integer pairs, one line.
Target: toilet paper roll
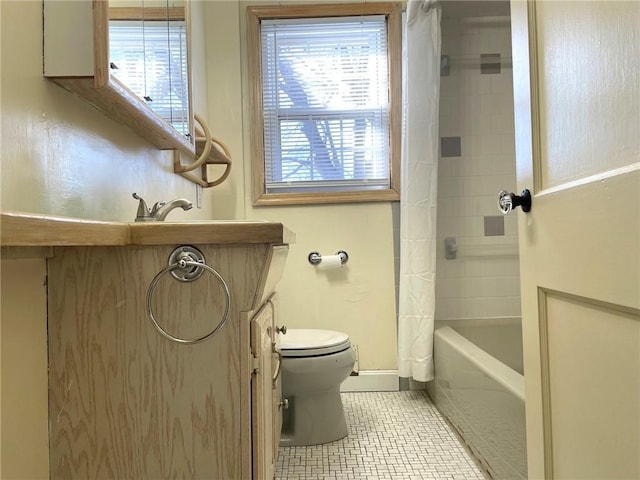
{"points": [[330, 262]]}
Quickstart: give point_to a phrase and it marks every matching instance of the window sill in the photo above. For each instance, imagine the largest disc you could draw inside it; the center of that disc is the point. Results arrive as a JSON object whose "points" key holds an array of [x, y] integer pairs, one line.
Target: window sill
{"points": [[281, 199]]}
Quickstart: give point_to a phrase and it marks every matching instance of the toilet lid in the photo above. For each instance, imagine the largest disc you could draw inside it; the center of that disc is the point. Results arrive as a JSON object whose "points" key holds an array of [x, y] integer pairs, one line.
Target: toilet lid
{"points": [[312, 342]]}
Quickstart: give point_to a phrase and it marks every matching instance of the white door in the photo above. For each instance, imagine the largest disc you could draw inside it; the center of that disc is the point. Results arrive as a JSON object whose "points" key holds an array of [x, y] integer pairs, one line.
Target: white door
{"points": [[577, 110]]}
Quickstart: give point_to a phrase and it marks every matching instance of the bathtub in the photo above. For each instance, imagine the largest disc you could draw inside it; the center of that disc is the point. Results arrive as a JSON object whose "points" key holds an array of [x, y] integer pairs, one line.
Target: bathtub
{"points": [[479, 388]]}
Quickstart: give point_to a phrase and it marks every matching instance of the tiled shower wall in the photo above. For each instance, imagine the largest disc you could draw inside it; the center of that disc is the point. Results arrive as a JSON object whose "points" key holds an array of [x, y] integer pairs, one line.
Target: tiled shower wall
{"points": [[477, 160], [476, 128]]}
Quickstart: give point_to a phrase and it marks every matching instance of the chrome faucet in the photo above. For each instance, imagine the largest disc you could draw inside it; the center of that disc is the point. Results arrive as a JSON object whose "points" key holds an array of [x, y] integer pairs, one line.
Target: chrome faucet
{"points": [[160, 210]]}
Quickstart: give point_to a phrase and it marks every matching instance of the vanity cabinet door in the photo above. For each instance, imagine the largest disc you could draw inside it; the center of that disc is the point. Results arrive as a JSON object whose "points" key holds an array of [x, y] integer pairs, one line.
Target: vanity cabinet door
{"points": [[264, 410], [278, 402], [277, 405]]}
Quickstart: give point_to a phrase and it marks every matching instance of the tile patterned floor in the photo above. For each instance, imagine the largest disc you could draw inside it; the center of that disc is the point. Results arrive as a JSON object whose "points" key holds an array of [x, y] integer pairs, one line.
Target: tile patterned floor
{"points": [[392, 435]]}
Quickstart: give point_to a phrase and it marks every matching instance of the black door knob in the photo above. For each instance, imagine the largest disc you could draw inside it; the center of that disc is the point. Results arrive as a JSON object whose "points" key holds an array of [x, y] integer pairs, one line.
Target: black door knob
{"points": [[508, 201]]}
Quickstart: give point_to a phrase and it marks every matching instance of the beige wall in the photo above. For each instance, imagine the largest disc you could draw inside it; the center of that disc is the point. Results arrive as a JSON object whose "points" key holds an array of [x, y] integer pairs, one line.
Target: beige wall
{"points": [[358, 299], [225, 98], [60, 156], [24, 447]]}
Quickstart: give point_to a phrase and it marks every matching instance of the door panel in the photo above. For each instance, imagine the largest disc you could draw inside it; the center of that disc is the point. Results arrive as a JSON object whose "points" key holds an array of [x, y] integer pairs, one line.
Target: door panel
{"points": [[592, 350], [577, 91], [589, 91], [587, 237]]}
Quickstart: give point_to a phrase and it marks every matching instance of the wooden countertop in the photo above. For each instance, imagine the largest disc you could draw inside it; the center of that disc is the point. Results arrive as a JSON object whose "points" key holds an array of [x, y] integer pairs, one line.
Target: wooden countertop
{"points": [[30, 229]]}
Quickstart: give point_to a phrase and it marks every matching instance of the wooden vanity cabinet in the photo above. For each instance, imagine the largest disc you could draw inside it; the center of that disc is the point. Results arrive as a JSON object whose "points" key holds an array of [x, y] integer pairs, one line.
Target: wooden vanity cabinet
{"points": [[125, 402]]}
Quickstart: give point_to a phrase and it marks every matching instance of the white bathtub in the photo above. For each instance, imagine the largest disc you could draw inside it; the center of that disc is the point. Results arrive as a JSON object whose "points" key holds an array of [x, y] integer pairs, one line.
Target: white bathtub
{"points": [[479, 388]]}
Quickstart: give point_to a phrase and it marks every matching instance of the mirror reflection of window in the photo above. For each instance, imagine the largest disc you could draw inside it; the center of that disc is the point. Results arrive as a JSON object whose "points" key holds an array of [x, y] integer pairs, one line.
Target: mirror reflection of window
{"points": [[150, 58]]}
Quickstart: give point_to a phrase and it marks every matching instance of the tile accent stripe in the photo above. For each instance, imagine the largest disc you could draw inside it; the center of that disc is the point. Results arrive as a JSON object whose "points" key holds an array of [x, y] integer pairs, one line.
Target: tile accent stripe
{"points": [[490, 63], [450, 147]]}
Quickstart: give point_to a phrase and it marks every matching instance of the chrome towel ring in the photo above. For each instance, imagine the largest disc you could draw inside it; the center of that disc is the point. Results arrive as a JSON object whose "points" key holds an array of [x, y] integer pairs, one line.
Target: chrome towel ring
{"points": [[187, 264]]}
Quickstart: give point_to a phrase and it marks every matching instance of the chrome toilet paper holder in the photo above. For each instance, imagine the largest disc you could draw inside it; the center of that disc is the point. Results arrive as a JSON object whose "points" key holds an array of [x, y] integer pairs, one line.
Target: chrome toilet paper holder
{"points": [[316, 259]]}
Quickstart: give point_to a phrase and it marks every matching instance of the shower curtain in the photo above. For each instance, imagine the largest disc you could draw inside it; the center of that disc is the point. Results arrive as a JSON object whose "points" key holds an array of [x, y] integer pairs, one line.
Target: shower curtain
{"points": [[421, 93]]}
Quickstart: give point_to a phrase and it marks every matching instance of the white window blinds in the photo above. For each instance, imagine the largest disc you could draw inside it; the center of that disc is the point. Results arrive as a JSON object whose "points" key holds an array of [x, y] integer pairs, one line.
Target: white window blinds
{"points": [[326, 104], [150, 58]]}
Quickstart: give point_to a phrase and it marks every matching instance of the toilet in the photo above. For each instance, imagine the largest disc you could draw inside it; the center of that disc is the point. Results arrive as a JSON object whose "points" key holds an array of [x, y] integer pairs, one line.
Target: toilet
{"points": [[314, 364]]}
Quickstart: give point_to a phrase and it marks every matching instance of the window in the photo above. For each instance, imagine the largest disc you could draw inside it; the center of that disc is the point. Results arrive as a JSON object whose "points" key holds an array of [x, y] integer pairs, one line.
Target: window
{"points": [[325, 105]]}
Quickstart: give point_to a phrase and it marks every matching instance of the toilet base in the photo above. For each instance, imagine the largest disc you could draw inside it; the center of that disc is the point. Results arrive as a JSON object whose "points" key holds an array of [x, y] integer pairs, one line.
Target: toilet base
{"points": [[313, 419]]}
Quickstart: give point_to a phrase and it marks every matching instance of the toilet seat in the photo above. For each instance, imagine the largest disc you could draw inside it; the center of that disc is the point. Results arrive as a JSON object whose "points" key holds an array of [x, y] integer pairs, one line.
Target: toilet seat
{"points": [[313, 342]]}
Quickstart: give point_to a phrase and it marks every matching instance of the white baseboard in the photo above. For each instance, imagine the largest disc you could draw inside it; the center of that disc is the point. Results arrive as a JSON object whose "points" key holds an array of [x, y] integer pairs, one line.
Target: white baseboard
{"points": [[372, 381]]}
